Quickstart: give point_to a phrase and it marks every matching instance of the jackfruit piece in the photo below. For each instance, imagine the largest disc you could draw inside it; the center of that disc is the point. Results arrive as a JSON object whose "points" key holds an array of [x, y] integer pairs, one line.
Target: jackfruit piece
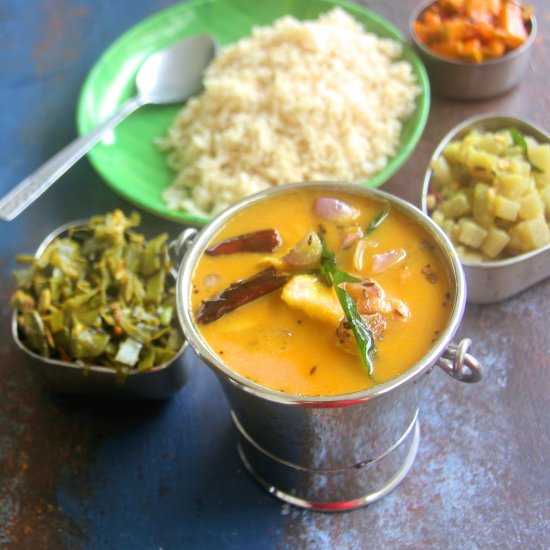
{"points": [[314, 298]]}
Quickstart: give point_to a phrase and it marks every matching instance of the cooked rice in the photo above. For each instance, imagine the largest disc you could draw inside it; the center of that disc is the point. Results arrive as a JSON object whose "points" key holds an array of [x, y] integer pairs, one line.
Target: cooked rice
{"points": [[296, 101]]}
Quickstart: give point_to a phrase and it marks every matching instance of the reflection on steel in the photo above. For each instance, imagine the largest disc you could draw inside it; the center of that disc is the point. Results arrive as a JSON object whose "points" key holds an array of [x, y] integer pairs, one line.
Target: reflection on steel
{"points": [[178, 247]]}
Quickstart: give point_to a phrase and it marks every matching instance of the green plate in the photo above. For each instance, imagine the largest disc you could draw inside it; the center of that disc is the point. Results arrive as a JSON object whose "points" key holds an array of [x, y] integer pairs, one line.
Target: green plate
{"points": [[129, 161]]}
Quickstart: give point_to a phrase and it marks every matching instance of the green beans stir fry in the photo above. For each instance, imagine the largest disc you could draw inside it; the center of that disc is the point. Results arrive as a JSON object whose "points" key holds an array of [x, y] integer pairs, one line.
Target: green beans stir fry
{"points": [[100, 295]]}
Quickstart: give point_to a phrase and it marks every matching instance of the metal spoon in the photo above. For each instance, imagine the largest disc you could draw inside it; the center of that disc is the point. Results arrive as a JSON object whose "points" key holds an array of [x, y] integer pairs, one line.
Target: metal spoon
{"points": [[168, 76]]}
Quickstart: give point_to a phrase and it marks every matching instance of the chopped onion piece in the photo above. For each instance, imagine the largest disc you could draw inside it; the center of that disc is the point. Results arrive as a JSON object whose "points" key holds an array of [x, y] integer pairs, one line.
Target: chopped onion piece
{"points": [[384, 261], [307, 252], [334, 210], [351, 237], [362, 246]]}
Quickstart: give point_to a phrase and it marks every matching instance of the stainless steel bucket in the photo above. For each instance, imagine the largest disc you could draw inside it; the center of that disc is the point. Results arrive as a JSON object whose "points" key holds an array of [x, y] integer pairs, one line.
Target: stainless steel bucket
{"points": [[338, 452]]}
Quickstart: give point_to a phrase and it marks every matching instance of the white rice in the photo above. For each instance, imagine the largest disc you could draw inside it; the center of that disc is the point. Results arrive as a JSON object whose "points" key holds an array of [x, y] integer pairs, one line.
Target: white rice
{"points": [[296, 101]]}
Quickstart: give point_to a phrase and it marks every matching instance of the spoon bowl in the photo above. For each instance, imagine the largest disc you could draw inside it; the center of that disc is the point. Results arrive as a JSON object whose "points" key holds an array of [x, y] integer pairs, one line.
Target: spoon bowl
{"points": [[168, 76], [175, 73]]}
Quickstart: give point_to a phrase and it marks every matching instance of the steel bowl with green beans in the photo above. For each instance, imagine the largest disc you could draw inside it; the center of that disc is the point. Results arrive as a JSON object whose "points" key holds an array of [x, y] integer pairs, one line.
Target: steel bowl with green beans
{"points": [[98, 298]]}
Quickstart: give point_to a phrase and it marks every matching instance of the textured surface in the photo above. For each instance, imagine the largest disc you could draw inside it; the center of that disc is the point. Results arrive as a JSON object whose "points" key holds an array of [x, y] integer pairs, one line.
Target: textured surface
{"points": [[95, 473]]}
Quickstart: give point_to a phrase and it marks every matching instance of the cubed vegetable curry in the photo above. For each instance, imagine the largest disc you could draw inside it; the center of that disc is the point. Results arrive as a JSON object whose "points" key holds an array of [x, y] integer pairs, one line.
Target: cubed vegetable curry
{"points": [[490, 192]]}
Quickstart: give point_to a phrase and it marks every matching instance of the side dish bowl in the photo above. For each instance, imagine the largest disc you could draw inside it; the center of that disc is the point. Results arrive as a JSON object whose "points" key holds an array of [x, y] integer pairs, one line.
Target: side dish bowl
{"points": [[464, 80], [78, 377], [493, 281]]}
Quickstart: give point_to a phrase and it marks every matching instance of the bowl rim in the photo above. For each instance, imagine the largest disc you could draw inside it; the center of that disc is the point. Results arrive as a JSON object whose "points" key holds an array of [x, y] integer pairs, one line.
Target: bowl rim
{"points": [[206, 354], [428, 52], [458, 131]]}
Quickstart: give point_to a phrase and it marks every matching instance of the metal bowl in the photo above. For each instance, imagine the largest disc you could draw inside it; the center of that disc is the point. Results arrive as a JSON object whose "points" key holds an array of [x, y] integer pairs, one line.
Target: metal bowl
{"points": [[458, 79], [160, 382], [330, 453], [493, 281]]}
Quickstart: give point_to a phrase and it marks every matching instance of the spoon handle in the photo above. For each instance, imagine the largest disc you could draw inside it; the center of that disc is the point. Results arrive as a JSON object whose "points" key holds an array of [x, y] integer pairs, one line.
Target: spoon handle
{"points": [[26, 192]]}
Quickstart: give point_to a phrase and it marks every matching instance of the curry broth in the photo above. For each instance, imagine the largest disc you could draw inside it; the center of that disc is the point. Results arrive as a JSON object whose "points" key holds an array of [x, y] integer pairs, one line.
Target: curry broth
{"points": [[281, 347]]}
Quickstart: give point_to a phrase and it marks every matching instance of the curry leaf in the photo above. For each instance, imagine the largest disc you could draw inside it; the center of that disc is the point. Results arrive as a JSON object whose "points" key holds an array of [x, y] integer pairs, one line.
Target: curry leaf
{"points": [[377, 220], [361, 331], [363, 334]]}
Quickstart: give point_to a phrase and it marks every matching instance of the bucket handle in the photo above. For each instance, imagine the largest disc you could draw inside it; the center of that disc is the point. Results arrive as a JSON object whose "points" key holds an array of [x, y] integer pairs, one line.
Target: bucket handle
{"points": [[459, 364], [178, 247]]}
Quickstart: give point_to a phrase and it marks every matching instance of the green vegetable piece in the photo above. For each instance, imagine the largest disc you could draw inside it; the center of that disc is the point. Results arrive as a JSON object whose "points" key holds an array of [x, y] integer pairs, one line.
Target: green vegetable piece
{"points": [[35, 332], [132, 329], [22, 301], [377, 220], [23, 278], [25, 259], [65, 255], [166, 315], [153, 255], [154, 288], [147, 360], [87, 343], [56, 321]]}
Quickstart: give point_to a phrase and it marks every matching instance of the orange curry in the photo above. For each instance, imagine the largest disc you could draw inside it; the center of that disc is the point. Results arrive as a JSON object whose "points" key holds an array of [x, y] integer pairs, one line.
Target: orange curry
{"points": [[473, 30], [286, 328]]}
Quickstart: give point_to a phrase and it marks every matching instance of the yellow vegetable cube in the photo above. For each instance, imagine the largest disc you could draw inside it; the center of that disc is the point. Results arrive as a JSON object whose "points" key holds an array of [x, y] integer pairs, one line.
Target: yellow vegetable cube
{"points": [[495, 143], [449, 226], [458, 205], [512, 186], [471, 140], [506, 209], [519, 166], [438, 217], [539, 155], [544, 194], [495, 242], [541, 178], [530, 234], [470, 233], [483, 208], [530, 206], [441, 171], [470, 255], [481, 165], [452, 152]]}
